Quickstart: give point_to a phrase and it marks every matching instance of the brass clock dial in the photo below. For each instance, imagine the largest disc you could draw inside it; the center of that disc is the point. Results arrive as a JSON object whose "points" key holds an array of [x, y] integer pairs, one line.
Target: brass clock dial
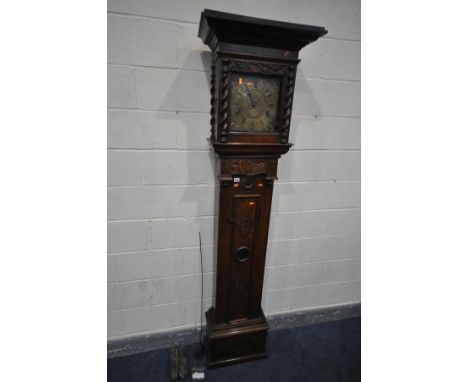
{"points": [[254, 103]]}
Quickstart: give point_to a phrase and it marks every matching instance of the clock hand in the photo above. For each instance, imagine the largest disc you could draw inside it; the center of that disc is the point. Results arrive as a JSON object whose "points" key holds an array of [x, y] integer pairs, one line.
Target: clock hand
{"points": [[252, 101], [249, 94]]}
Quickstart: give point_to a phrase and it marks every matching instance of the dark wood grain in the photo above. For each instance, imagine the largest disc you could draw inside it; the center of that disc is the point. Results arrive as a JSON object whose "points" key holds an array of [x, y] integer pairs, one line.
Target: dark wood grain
{"points": [[236, 326]]}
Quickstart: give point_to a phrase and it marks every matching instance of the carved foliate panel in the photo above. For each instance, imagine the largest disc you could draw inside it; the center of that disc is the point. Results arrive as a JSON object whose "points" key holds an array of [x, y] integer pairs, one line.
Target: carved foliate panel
{"points": [[258, 67], [249, 166]]}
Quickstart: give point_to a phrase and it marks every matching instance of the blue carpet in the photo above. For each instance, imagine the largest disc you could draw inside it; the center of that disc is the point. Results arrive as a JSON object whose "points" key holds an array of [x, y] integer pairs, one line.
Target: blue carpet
{"points": [[326, 352]]}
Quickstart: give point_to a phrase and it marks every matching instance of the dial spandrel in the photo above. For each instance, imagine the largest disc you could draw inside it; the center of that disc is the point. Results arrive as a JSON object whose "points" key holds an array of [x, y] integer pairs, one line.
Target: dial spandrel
{"points": [[254, 103]]}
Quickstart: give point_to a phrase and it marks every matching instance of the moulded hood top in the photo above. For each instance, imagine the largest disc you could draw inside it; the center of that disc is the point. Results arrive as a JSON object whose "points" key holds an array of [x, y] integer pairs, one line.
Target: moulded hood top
{"points": [[216, 26]]}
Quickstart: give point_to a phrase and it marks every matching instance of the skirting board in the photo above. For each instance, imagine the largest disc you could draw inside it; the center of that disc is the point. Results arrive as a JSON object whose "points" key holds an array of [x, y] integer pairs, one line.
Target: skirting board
{"points": [[161, 340]]}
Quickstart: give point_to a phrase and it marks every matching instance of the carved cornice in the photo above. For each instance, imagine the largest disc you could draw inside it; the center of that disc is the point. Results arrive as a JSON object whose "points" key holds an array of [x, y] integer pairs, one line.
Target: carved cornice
{"points": [[238, 29]]}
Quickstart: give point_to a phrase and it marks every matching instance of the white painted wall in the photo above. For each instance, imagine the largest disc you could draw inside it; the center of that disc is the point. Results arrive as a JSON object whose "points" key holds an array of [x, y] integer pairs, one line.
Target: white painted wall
{"points": [[161, 175]]}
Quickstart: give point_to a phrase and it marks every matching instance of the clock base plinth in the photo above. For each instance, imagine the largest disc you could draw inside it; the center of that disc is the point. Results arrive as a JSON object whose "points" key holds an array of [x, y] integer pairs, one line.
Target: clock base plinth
{"points": [[231, 343]]}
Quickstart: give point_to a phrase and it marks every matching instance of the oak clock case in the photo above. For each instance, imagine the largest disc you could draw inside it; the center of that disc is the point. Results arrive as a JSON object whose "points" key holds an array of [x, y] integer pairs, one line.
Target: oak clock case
{"points": [[253, 75]]}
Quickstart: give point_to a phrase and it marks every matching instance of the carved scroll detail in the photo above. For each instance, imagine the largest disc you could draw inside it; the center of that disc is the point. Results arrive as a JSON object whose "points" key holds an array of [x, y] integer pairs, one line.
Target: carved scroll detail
{"points": [[249, 166], [256, 67]]}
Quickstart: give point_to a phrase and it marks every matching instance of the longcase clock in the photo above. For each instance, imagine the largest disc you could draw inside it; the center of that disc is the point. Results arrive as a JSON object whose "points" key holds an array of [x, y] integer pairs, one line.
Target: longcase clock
{"points": [[253, 74]]}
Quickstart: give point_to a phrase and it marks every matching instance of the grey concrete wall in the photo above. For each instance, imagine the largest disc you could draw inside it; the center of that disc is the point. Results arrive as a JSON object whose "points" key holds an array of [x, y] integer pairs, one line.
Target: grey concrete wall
{"points": [[161, 171]]}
